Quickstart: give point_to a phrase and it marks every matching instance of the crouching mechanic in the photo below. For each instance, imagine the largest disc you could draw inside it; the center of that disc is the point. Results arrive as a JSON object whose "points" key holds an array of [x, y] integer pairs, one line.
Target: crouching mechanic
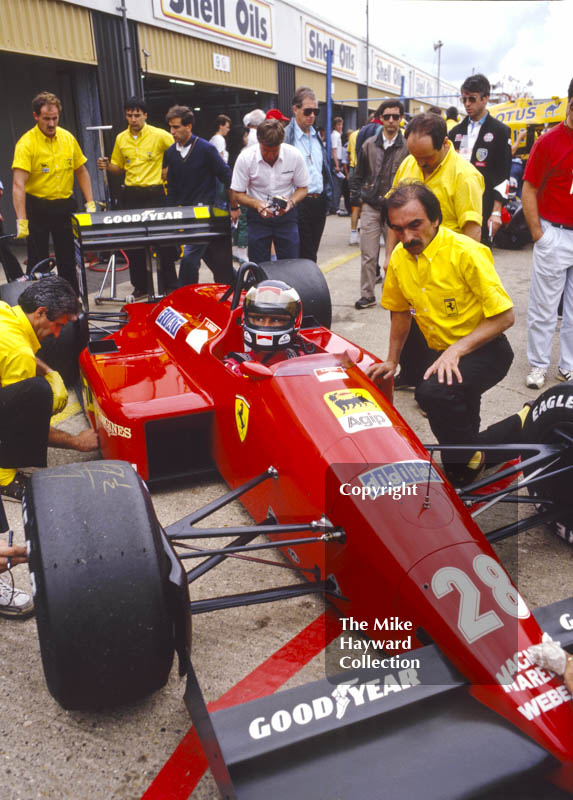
{"points": [[30, 391], [272, 315], [449, 282]]}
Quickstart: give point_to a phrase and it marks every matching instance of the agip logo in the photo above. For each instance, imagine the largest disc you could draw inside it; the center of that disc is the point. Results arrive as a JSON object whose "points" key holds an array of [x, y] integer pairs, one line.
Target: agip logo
{"points": [[356, 410]]}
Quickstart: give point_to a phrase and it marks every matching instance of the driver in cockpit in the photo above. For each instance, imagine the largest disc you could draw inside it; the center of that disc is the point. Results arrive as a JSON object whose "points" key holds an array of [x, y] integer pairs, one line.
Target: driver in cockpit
{"points": [[272, 316]]}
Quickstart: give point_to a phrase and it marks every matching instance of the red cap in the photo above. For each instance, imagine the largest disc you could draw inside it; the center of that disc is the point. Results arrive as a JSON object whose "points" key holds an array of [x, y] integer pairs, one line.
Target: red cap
{"points": [[274, 113]]}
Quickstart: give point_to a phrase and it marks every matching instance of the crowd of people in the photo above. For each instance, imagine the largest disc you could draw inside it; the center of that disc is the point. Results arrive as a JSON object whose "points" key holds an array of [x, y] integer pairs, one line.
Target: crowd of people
{"points": [[428, 195]]}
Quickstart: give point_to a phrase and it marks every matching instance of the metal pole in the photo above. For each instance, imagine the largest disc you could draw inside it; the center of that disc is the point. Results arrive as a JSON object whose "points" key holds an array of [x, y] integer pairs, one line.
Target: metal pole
{"points": [[367, 54], [438, 46], [127, 51], [329, 55]]}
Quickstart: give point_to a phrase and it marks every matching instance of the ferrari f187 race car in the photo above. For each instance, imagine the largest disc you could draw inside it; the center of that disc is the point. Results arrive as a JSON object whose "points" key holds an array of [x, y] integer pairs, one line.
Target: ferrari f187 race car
{"points": [[416, 574]]}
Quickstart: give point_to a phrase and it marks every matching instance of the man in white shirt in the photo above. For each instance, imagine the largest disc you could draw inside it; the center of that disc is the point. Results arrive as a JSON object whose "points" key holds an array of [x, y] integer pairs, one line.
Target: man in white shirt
{"points": [[336, 158], [271, 170], [223, 124]]}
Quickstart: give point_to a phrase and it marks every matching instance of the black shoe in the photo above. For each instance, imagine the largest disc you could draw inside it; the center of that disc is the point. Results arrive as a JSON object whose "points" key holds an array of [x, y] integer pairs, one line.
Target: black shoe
{"points": [[15, 490], [365, 302], [137, 293]]}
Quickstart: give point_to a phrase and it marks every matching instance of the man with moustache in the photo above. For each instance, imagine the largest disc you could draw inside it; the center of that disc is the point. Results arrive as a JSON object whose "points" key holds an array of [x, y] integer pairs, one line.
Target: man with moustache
{"points": [[450, 283]]}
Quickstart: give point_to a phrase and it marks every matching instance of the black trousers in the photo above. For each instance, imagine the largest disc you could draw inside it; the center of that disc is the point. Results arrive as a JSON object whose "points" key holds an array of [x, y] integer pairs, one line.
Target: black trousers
{"points": [[454, 411], [25, 412], [8, 260], [53, 217], [311, 220], [149, 197]]}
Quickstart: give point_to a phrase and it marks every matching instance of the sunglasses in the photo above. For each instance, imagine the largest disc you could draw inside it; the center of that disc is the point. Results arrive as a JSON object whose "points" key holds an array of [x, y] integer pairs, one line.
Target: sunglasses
{"points": [[471, 99], [308, 111], [391, 116]]}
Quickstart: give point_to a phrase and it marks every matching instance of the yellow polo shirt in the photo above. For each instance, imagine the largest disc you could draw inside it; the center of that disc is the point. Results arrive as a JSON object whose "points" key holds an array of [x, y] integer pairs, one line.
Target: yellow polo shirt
{"points": [[141, 157], [352, 148], [452, 286], [18, 345], [456, 183], [50, 161]]}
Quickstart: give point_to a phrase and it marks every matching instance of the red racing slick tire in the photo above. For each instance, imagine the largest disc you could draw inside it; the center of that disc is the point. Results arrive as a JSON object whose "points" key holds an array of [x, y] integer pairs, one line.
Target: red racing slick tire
{"points": [[99, 573], [554, 409]]}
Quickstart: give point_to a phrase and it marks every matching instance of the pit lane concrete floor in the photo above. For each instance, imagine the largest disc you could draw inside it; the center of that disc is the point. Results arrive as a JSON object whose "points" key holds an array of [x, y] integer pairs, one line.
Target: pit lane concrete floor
{"points": [[46, 752]]}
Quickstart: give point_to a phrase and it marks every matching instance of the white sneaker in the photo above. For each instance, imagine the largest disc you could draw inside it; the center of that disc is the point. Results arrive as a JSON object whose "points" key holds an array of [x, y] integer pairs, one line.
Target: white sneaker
{"points": [[536, 378], [14, 602], [353, 237], [564, 375]]}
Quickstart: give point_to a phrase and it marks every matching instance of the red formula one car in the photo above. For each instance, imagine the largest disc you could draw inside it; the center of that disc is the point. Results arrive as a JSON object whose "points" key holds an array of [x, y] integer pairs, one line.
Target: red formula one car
{"points": [[332, 473]]}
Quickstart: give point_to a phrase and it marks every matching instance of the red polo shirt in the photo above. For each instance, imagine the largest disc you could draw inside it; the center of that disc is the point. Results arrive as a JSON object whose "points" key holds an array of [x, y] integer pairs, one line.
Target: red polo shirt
{"points": [[550, 169]]}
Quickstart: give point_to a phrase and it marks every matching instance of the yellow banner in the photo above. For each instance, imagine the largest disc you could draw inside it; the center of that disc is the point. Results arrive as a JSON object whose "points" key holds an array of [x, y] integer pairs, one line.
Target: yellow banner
{"points": [[525, 111]]}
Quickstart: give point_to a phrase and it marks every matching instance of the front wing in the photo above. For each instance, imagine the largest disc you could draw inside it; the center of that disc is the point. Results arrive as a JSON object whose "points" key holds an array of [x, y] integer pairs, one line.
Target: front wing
{"points": [[432, 740]]}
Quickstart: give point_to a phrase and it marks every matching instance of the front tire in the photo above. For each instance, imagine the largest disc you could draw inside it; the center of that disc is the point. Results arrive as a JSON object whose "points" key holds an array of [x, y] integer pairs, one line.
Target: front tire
{"points": [[100, 572]]}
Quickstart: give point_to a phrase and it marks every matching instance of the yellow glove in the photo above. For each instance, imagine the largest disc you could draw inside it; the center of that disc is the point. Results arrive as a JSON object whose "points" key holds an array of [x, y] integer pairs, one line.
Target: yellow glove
{"points": [[91, 207], [23, 229], [59, 389]]}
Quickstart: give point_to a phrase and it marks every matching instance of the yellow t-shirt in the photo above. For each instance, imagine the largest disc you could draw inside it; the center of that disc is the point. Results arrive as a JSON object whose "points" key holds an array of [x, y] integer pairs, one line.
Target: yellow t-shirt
{"points": [[456, 183], [18, 345], [452, 286], [141, 157], [451, 123], [352, 148], [50, 161]]}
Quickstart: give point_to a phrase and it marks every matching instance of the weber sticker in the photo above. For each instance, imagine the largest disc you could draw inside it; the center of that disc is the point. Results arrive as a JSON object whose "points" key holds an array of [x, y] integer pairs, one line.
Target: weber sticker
{"points": [[356, 410], [170, 321]]}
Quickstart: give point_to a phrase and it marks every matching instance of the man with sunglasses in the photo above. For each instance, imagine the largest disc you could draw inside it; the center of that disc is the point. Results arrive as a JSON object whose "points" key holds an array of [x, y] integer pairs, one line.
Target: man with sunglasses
{"points": [[547, 198], [486, 143], [378, 162], [301, 133]]}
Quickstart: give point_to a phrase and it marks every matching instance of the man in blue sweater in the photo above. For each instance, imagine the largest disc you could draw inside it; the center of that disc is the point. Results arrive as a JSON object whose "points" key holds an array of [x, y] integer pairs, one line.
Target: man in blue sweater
{"points": [[193, 165]]}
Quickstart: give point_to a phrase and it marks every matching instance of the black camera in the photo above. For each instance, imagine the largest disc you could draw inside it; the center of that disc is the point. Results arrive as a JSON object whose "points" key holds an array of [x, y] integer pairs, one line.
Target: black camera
{"points": [[277, 205]]}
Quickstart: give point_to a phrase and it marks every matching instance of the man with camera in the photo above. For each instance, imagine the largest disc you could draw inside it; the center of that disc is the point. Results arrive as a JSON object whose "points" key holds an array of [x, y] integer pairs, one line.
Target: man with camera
{"points": [[270, 179]]}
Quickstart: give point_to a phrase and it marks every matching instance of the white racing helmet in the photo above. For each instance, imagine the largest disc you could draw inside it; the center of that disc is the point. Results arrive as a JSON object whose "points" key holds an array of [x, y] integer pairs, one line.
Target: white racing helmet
{"points": [[272, 314]]}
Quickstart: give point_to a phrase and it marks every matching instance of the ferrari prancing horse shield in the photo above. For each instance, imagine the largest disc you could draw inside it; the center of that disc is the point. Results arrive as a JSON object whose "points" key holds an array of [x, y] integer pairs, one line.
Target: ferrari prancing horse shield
{"points": [[241, 416]]}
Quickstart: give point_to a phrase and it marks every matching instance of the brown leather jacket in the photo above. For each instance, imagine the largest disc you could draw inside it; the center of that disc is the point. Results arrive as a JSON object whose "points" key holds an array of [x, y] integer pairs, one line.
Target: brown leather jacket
{"points": [[376, 168]]}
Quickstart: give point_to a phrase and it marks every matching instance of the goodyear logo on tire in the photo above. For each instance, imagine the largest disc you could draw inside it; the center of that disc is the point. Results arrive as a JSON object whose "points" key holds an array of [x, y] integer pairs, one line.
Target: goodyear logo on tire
{"points": [[356, 410]]}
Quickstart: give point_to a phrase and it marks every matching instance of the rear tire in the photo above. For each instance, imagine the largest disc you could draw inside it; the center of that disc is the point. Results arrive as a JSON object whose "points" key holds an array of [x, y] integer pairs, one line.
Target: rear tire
{"points": [[100, 573], [307, 278], [554, 409]]}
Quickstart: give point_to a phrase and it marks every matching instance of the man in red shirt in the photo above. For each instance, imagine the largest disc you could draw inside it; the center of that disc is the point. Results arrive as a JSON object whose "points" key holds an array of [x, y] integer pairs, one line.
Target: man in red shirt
{"points": [[548, 207]]}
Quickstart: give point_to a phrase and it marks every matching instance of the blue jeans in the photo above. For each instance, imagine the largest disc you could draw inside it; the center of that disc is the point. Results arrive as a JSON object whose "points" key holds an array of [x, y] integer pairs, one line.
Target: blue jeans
{"points": [[282, 231]]}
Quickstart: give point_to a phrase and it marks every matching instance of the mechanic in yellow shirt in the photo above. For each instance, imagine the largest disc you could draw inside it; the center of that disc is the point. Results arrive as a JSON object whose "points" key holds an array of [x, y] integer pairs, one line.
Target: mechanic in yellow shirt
{"points": [[46, 159], [449, 282], [30, 391], [459, 188], [138, 152]]}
